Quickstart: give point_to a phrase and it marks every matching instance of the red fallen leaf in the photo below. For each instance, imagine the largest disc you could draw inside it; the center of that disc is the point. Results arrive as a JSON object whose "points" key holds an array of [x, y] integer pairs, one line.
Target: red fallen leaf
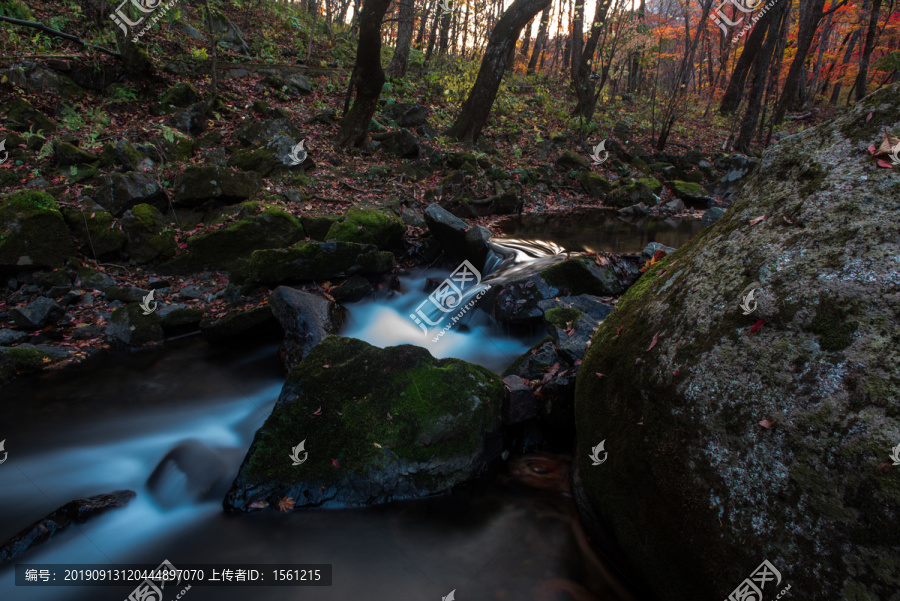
{"points": [[661, 271], [619, 330], [884, 164], [652, 344], [335, 463], [767, 423], [756, 220], [869, 117], [390, 419], [318, 411], [872, 149], [577, 362], [756, 327], [599, 375], [658, 255], [326, 367], [675, 373], [92, 215]]}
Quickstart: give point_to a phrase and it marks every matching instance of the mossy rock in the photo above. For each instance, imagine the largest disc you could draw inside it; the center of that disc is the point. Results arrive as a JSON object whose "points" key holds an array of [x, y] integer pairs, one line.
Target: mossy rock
{"points": [[572, 160], [150, 237], [21, 116], [28, 359], [315, 261], [181, 321], [630, 193], [394, 424], [219, 249], [264, 161], [812, 489], [198, 185], [129, 326], [317, 226], [180, 148], [368, 226], [687, 190], [651, 183], [33, 232], [594, 184], [68, 154], [98, 231], [177, 97], [582, 276], [561, 315]]}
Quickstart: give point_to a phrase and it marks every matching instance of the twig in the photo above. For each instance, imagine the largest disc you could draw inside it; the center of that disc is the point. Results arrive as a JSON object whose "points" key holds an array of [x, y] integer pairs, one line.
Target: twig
{"points": [[67, 36]]}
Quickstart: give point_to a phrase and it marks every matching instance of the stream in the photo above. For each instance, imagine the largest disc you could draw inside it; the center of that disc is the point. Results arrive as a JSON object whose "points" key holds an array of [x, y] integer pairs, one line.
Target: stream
{"points": [[106, 426]]}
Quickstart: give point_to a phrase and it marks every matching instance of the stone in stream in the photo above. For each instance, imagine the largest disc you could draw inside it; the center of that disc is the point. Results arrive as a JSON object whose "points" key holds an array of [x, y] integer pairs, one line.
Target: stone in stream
{"points": [[242, 326], [571, 321], [379, 425], [73, 512], [456, 236], [306, 320], [129, 327], [762, 436]]}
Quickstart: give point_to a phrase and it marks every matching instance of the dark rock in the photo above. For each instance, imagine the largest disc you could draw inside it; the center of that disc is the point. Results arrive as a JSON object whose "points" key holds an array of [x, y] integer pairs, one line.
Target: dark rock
{"points": [[228, 34], [713, 214], [315, 261], [130, 327], [300, 84], [182, 95], [631, 193], [318, 226], [327, 117], [507, 203], [688, 191], [519, 404], [191, 121], [411, 217], [406, 114], [594, 185], [652, 247], [131, 158], [37, 314], [242, 326], [149, 236], [198, 185], [74, 512], [354, 289], [91, 279], [418, 426], [87, 332], [572, 160], [261, 133], [68, 154], [584, 276], [402, 143], [306, 319], [8, 336], [128, 294], [34, 232], [571, 322], [181, 321], [453, 235], [21, 116], [118, 192]]}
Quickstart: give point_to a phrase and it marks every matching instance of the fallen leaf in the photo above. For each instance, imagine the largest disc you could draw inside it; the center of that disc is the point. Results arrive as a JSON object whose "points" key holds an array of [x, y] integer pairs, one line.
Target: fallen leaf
{"points": [[888, 143], [652, 344], [869, 117], [390, 419], [377, 446], [318, 411], [599, 375], [884, 164], [286, 504], [756, 220], [767, 423], [638, 361], [675, 373], [335, 463], [326, 367], [577, 362], [259, 505], [787, 221], [756, 327]]}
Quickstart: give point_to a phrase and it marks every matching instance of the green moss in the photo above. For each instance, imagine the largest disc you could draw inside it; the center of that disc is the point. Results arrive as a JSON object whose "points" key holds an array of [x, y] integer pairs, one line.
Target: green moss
{"points": [[98, 229], [559, 316], [368, 226], [149, 236], [651, 183], [33, 231], [835, 332], [30, 202], [27, 358], [578, 276]]}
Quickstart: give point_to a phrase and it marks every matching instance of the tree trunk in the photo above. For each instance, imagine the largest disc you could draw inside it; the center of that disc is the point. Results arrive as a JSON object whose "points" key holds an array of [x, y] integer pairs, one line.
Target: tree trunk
{"points": [[734, 92], [444, 33], [760, 75], [540, 40], [577, 37], [423, 25], [433, 36], [871, 34], [835, 95], [823, 43], [526, 43], [810, 15], [475, 110], [584, 85], [400, 60], [369, 75]]}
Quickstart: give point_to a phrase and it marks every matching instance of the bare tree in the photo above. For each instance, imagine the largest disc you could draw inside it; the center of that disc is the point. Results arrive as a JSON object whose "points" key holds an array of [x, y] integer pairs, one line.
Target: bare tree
{"points": [[400, 60]]}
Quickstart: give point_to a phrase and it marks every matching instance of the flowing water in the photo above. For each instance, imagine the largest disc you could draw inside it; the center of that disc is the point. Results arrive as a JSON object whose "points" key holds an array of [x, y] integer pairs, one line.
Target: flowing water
{"points": [[108, 425]]}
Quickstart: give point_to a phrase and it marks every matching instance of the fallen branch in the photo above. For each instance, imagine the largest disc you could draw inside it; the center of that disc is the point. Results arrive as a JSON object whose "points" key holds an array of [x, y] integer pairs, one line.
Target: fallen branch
{"points": [[60, 34]]}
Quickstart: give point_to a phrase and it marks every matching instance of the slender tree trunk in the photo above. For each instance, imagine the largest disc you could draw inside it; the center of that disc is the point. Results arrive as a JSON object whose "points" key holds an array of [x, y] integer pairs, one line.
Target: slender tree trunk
{"points": [[866, 55], [835, 95], [444, 33], [810, 15], [540, 40], [526, 43], [577, 38], [584, 85], [475, 110], [423, 24], [400, 60], [433, 37], [823, 44], [369, 75], [735, 90]]}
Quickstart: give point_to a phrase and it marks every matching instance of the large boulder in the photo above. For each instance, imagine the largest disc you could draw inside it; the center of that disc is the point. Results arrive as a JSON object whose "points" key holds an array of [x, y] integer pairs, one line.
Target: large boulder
{"points": [[198, 185], [458, 238], [129, 327], [368, 226], [734, 437], [97, 230], [378, 425], [315, 261], [306, 319], [33, 232], [118, 192], [38, 313], [149, 235]]}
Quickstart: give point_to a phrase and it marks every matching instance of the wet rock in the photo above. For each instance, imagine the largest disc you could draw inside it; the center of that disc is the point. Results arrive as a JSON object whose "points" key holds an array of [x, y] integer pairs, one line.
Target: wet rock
{"points": [[453, 235], [603, 276], [306, 319], [128, 294], [8, 336], [394, 424], [118, 192], [37, 314], [713, 214], [34, 232], [651, 249], [354, 289], [507, 203], [198, 185], [519, 404], [74, 512], [242, 326], [91, 279], [181, 321], [517, 301], [818, 372], [149, 236], [307, 261], [368, 226], [675, 206], [130, 327], [571, 322]]}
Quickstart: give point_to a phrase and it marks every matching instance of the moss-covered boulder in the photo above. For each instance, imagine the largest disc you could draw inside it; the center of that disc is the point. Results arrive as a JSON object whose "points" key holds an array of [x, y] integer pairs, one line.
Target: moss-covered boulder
{"points": [[128, 326], [629, 193], [594, 184], [150, 237], [317, 226], [242, 326], [33, 232], [198, 185], [21, 116], [377, 425], [735, 438], [315, 261], [507, 203], [368, 226], [98, 231], [177, 97], [609, 274], [118, 192], [570, 160], [256, 133], [219, 249], [688, 190], [68, 154]]}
